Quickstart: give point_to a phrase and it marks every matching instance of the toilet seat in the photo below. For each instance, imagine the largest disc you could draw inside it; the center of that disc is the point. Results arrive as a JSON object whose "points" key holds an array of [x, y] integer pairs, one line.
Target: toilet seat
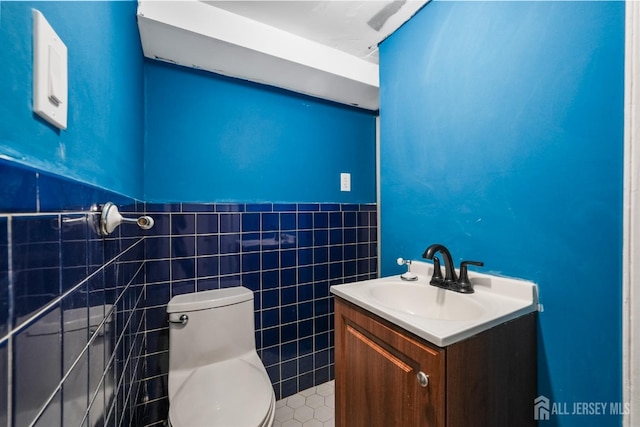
{"points": [[229, 393]]}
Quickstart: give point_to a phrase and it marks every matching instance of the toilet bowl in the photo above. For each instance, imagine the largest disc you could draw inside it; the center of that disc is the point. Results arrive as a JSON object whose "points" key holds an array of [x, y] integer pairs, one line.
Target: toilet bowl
{"points": [[215, 375]]}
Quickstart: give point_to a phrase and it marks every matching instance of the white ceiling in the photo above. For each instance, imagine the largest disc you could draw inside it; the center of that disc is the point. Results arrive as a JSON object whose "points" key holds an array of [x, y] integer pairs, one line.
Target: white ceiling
{"points": [[354, 27], [326, 49]]}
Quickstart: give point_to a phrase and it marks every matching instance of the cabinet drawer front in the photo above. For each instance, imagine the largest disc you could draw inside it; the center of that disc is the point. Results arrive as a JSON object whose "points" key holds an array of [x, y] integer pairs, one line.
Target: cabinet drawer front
{"points": [[377, 371]]}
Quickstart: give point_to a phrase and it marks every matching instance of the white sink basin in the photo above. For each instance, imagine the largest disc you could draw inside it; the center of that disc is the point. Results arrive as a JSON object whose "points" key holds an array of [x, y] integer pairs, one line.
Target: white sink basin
{"points": [[440, 316], [426, 301]]}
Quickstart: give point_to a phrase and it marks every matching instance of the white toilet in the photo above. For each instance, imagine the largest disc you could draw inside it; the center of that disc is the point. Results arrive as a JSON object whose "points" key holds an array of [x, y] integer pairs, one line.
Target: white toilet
{"points": [[215, 375]]}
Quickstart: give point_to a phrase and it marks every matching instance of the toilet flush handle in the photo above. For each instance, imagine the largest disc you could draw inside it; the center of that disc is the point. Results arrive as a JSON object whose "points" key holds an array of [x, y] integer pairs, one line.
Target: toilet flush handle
{"points": [[182, 320]]}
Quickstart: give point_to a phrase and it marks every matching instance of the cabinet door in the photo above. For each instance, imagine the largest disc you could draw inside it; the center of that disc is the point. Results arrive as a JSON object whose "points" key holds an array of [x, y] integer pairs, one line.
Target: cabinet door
{"points": [[377, 368]]}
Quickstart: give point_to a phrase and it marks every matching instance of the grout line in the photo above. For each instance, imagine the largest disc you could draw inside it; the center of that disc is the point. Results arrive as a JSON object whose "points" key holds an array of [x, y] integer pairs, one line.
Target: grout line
{"points": [[37, 191], [10, 382], [10, 322], [153, 377], [11, 279], [157, 399]]}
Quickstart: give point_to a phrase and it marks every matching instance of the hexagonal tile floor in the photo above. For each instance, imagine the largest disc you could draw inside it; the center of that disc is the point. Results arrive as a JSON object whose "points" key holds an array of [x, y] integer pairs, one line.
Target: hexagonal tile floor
{"points": [[313, 407]]}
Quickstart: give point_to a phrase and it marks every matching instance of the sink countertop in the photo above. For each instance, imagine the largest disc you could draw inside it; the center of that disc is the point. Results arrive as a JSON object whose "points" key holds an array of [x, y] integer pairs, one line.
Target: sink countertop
{"points": [[500, 298]]}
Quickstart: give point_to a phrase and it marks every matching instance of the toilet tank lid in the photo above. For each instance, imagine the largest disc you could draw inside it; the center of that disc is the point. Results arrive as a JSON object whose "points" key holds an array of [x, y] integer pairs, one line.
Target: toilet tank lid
{"points": [[209, 299]]}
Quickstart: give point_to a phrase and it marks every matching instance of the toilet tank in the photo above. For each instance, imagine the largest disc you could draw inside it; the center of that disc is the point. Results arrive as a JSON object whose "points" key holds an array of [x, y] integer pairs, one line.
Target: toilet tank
{"points": [[220, 326]]}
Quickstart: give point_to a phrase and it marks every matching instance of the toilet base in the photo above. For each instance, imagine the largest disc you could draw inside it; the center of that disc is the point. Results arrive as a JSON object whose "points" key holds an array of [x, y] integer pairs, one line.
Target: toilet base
{"points": [[268, 421]]}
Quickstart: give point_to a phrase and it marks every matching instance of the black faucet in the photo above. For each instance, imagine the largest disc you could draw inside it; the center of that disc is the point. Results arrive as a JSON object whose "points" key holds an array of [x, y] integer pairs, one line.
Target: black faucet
{"points": [[450, 281], [450, 273]]}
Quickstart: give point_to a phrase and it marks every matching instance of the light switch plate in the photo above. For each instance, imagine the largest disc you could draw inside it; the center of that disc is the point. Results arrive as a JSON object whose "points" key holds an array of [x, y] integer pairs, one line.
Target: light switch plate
{"points": [[345, 182], [50, 85]]}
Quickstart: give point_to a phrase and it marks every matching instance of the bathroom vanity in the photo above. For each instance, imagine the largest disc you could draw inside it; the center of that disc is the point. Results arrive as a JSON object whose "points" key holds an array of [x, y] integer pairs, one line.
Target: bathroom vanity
{"points": [[455, 367]]}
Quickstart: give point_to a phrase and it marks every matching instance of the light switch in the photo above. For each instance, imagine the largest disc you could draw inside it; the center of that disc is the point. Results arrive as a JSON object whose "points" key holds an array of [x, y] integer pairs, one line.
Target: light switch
{"points": [[56, 80], [345, 182], [50, 86]]}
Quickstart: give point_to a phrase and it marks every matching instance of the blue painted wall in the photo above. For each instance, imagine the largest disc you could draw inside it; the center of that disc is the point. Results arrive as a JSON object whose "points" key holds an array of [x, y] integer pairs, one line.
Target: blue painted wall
{"points": [[103, 142], [246, 142], [502, 138], [250, 143]]}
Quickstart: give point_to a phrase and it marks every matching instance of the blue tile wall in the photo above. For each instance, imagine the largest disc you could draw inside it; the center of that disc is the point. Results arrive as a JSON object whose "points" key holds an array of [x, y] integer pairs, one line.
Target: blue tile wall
{"points": [[71, 306], [97, 306], [288, 254]]}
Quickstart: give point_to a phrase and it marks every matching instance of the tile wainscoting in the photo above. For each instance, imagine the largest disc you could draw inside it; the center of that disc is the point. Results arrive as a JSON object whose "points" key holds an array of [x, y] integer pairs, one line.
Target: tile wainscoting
{"points": [[71, 305], [85, 315], [287, 254]]}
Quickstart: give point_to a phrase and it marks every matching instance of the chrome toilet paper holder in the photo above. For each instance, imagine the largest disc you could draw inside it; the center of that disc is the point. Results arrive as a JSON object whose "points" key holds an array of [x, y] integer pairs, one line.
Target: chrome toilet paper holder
{"points": [[111, 218]]}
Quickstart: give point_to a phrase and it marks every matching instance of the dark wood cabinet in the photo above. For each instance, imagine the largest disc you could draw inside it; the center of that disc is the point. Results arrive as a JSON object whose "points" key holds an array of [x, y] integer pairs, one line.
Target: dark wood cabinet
{"points": [[488, 380]]}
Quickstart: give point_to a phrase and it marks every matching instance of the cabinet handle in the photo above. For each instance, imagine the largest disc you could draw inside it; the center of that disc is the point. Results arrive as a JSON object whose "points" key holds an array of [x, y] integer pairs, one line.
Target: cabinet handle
{"points": [[423, 379]]}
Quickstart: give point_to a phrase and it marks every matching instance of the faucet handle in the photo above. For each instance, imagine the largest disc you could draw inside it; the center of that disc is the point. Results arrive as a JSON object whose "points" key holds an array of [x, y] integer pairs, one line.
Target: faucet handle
{"points": [[408, 275], [463, 282]]}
